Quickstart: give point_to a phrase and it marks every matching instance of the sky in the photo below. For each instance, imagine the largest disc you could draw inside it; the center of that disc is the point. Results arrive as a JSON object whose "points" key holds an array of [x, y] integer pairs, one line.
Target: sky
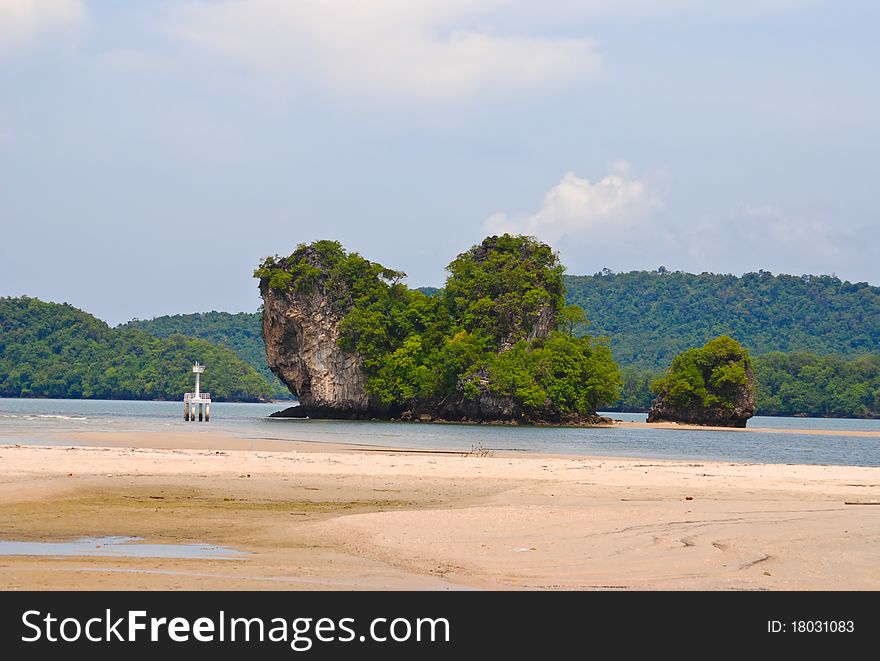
{"points": [[153, 152]]}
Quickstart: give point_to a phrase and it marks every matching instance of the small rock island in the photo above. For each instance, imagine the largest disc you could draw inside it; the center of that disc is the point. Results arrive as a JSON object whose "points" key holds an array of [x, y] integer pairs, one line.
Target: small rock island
{"points": [[496, 344], [713, 385]]}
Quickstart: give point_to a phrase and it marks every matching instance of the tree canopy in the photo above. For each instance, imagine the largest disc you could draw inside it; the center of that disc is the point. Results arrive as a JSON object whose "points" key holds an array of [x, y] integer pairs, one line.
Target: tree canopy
{"points": [[706, 377], [803, 383], [502, 287], [56, 350], [241, 332], [651, 316]]}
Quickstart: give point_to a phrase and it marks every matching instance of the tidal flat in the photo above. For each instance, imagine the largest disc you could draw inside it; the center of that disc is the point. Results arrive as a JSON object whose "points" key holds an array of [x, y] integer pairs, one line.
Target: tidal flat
{"points": [[320, 516]]}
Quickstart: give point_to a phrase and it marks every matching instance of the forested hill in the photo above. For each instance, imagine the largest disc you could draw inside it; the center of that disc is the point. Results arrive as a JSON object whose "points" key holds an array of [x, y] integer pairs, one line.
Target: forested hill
{"points": [[242, 332], [56, 350], [651, 316]]}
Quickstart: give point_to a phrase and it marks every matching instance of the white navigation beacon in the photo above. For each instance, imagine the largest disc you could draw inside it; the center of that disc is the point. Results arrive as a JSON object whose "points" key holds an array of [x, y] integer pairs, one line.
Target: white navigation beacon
{"points": [[197, 398]]}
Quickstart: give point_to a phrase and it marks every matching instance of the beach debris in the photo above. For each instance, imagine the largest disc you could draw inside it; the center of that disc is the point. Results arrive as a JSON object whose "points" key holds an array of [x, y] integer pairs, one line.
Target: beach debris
{"points": [[478, 451], [862, 502], [688, 497], [766, 573], [523, 549]]}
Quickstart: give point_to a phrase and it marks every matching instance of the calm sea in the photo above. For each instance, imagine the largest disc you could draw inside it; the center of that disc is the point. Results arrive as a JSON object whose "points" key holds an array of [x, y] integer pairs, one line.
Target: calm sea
{"points": [[40, 421]]}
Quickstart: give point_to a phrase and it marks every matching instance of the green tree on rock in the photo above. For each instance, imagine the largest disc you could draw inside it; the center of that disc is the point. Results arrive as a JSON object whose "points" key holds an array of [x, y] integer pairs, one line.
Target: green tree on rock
{"points": [[713, 384]]}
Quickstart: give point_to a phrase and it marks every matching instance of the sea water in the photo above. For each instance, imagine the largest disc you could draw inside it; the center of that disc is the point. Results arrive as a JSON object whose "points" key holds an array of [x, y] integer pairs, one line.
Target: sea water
{"points": [[46, 421], [119, 547]]}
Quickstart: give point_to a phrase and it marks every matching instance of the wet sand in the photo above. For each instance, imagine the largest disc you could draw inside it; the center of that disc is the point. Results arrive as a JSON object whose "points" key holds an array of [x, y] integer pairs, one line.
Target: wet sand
{"points": [[316, 516]]}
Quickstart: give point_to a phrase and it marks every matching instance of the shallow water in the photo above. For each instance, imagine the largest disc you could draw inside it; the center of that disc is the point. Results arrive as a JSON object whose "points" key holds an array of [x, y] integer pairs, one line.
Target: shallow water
{"points": [[771, 422], [119, 547], [44, 421]]}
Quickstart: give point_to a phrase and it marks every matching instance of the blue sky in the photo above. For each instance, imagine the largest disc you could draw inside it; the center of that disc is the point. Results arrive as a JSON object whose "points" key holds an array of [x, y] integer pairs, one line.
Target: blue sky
{"points": [[146, 146]]}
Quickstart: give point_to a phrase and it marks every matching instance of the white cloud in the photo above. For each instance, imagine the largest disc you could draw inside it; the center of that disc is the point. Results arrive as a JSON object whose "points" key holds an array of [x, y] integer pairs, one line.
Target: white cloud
{"points": [[652, 9], [24, 20], [432, 49], [129, 61], [626, 223], [576, 211], [771, 237]]}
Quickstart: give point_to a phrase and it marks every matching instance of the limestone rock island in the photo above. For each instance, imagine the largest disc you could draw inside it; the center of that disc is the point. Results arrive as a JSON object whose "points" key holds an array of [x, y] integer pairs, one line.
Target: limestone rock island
{"points": [[351, 341], [713, 385]]}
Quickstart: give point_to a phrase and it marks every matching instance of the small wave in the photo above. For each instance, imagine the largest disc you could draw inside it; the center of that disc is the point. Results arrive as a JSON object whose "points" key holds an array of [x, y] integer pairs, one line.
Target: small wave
{"points": [[60, 417]]}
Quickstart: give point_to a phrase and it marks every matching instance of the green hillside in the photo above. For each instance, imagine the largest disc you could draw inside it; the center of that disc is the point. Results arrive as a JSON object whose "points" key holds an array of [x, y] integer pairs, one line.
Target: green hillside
{"points": [[56, 350], [651, 316], [804, 383], [241, 332]]}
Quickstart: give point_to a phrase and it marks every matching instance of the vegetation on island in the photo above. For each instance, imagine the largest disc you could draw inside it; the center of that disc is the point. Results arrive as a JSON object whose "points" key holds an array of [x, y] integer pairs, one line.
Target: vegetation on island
{"points": [[494, 325], [55, 350], [712, 376]]}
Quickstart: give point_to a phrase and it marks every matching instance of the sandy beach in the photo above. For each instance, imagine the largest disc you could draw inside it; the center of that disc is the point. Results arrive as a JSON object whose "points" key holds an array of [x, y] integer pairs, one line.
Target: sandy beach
{"points": [[319, 516]]}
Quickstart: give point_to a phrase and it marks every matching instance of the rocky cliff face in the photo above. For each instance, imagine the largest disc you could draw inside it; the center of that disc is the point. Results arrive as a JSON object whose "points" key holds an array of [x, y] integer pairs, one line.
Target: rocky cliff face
{"points": [[717, 416], [301, 333], [539, 326]]}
